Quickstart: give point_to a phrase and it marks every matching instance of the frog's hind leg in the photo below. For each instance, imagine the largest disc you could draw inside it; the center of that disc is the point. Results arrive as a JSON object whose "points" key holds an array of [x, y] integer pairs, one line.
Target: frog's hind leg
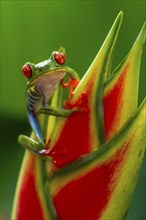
{"points": [[30, 144]]}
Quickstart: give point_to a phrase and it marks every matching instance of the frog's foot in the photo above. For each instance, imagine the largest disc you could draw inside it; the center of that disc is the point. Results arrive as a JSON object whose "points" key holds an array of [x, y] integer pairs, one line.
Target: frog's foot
{"points": [[58, 111], [30, 144], [64, 84]]}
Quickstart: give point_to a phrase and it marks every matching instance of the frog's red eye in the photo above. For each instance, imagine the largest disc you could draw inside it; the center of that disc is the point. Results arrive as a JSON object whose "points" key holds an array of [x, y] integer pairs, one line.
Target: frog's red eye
{"points": [[59, 57], [26, 71]]}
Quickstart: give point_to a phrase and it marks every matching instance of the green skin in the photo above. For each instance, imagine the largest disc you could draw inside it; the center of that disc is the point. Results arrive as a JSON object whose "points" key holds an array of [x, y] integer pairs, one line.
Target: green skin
{"points": [[44, 79]]}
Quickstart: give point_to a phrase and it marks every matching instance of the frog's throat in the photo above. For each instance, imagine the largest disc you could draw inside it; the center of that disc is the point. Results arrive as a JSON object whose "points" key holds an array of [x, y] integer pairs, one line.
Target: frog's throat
{"points": [[45, 74]]}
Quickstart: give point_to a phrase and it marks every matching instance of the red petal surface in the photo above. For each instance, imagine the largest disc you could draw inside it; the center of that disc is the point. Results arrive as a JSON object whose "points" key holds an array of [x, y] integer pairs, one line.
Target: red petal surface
{"points": [[29, 206], [82, 198], [113, 102]]}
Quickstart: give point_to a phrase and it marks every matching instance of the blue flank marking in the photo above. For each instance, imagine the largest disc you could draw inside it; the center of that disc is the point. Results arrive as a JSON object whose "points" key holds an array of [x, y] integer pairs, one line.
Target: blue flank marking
{"points": [[34, 124], [33, 98]]}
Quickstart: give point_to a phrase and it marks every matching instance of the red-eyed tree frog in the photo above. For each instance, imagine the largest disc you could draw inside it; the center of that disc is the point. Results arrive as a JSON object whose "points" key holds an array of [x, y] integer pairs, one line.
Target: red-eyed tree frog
{"points": [[43, 79]]}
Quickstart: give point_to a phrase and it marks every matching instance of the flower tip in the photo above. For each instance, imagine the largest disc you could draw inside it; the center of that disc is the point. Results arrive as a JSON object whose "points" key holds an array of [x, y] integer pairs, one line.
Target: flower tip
{"points": [[144, 27], [119, 18], [121, 13], [142, 35]]}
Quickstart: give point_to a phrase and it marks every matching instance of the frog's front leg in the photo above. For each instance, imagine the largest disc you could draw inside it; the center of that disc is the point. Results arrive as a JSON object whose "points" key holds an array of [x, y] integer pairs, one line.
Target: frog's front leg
{"points": [[72, 83], [57, 111]]}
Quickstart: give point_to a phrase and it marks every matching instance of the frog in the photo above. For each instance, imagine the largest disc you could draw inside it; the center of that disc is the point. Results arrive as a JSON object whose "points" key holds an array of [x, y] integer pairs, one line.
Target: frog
{"points": [[43, 80]]}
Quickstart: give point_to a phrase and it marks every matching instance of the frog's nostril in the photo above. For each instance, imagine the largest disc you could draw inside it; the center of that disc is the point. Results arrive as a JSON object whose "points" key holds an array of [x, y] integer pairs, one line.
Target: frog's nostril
{"points": [[27, 71]]}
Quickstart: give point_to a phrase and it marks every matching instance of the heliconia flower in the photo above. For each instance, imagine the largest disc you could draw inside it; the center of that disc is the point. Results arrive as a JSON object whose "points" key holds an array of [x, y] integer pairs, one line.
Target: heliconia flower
{"points": [[96, 153]]}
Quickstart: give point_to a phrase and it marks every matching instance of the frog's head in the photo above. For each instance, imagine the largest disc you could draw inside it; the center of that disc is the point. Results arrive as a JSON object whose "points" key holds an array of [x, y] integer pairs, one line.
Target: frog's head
{"points": [[54, 63]]}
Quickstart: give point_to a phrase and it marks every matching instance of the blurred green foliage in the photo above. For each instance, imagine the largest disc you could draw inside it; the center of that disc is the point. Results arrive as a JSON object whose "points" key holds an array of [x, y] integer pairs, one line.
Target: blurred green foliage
{"points": [[30, 31]]}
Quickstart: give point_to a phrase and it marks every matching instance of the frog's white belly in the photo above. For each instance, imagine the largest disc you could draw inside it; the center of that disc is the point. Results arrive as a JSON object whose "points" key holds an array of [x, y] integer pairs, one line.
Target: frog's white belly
{"points": [[47, 83]]}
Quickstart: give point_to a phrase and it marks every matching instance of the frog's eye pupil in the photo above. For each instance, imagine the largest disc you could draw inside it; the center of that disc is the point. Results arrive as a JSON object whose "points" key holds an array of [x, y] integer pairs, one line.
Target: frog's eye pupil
{"points": [[59, 57], [27, 71]]}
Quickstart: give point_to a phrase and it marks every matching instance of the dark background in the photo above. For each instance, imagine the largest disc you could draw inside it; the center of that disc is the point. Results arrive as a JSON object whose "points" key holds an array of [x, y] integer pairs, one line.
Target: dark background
{"points": [[30, 31]]}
